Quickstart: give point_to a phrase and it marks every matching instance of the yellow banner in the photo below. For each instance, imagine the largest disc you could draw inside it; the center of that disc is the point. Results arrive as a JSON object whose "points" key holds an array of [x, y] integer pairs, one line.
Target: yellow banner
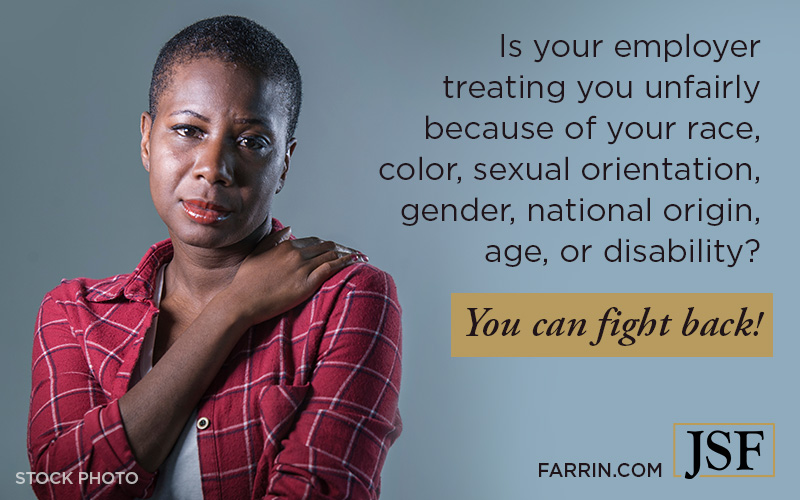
{"points": [[611, 324]]}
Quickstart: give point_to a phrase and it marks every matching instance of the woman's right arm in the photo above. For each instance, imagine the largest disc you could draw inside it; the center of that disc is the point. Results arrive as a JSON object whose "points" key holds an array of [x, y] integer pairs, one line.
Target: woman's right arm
{"points": [[73, 426], [75, 432]]}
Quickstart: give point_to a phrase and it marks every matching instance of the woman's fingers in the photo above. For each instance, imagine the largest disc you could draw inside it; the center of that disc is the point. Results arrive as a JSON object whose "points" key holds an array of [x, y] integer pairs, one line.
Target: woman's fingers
{"points": [[343, 250], [308, 241], [327, 258], [313, 247]]}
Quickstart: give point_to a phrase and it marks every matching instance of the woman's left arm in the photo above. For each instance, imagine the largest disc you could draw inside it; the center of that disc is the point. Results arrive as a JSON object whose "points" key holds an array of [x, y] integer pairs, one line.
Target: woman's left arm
{"points": [[350, 419]]}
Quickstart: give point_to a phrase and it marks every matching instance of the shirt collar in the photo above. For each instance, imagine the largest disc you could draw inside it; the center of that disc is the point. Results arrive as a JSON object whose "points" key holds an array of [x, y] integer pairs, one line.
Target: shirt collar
{"points": [[137, 286]]}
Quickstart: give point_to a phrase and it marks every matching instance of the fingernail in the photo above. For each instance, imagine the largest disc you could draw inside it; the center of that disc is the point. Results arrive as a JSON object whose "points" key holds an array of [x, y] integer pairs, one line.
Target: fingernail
{"points": [[364, 257]]}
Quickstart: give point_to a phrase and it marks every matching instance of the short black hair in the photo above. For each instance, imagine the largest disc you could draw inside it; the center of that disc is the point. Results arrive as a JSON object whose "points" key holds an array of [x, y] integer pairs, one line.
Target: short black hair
{"points": [[236, 40]]}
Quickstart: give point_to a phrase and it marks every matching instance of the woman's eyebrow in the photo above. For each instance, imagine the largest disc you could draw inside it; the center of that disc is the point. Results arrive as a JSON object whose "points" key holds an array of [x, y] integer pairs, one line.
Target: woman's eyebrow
{"points": [[247, 121], [251, 121], [192, 113]]}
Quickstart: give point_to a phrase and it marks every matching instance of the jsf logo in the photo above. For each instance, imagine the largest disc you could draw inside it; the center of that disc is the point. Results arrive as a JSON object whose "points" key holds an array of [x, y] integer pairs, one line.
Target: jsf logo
{"points": [[723, 450]]}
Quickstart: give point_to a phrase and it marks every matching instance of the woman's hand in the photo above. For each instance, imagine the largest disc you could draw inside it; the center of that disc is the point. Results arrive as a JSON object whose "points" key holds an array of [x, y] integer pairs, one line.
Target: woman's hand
{"points": [[280, 273]]}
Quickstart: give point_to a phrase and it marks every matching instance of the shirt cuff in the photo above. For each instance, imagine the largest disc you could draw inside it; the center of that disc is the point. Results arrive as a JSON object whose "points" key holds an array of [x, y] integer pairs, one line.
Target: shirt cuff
{"points": [[110, 443]]}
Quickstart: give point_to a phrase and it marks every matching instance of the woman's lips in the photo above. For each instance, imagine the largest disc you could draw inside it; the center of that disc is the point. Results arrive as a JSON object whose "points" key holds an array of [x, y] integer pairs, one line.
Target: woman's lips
{"points": [[205, 212]]}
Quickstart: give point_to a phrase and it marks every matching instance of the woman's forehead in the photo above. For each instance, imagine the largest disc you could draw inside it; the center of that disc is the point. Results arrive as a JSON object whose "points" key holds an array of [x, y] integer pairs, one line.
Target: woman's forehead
{"points": [[211, 83]]}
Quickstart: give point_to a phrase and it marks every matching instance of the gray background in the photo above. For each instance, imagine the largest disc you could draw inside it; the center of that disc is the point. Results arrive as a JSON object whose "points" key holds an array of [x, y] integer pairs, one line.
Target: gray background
{"points": [[75, 203]]}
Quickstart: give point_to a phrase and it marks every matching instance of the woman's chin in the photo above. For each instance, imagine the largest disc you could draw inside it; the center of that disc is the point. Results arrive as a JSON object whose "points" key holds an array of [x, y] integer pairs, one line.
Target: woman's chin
{"points": [[217, 237]]}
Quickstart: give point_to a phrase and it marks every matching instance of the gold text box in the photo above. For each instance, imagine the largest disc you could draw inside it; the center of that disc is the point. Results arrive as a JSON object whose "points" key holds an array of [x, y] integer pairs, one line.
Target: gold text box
{"points": [[595, 324]]}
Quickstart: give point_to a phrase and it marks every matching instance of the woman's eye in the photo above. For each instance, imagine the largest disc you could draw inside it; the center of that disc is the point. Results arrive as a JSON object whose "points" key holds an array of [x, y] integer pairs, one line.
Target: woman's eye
{"points": [[253, 142], [187, 130]]}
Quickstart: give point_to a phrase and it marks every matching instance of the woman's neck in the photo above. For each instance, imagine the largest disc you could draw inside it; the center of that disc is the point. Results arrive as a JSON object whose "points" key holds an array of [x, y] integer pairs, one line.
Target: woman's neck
{"points": [[196, 274]]}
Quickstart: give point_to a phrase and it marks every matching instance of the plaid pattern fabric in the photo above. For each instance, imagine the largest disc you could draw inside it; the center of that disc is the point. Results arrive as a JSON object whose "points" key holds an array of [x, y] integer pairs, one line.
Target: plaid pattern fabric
{"points": [[305, 407]]}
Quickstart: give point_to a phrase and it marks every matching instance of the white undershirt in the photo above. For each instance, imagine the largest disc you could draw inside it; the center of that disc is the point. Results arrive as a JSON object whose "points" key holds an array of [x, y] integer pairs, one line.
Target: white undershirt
{"points": [[179, 475]]}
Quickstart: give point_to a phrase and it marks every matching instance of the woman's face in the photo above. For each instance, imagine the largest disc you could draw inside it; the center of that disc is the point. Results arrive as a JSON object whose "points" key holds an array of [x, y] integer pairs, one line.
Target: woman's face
{"points": [[216, 153]]}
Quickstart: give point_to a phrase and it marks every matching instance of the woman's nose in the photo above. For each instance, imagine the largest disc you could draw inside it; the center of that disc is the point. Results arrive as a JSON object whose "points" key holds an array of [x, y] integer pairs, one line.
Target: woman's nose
{"points": [[214, 163]]}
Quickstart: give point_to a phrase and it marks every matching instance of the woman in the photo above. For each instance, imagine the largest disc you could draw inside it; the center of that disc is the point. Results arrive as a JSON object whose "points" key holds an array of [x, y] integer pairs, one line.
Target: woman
{"points": [[234, 361]]}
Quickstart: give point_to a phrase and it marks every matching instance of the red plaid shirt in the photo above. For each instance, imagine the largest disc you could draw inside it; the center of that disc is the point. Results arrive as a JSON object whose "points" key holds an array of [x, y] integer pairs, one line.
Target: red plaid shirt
{"points": [[305, 407]]}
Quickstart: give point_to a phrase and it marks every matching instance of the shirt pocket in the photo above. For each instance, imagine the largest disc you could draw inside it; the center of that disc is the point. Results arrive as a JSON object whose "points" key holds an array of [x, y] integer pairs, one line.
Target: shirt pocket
{"points": [[279, 406]]}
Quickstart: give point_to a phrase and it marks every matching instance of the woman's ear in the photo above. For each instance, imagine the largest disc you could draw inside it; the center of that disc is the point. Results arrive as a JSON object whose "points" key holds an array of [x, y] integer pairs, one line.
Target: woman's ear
{"points": [[146, 126], [286, 161]]}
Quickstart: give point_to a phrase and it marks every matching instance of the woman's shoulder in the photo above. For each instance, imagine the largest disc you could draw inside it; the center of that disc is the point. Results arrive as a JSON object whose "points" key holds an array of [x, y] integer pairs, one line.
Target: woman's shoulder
{"points": [[77, 303], [90, 289], [359, 287], [363, 277]]}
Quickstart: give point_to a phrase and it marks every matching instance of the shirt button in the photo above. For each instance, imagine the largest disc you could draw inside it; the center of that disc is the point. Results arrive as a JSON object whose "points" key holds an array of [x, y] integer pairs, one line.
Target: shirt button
{"points": [[203, 423]]}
